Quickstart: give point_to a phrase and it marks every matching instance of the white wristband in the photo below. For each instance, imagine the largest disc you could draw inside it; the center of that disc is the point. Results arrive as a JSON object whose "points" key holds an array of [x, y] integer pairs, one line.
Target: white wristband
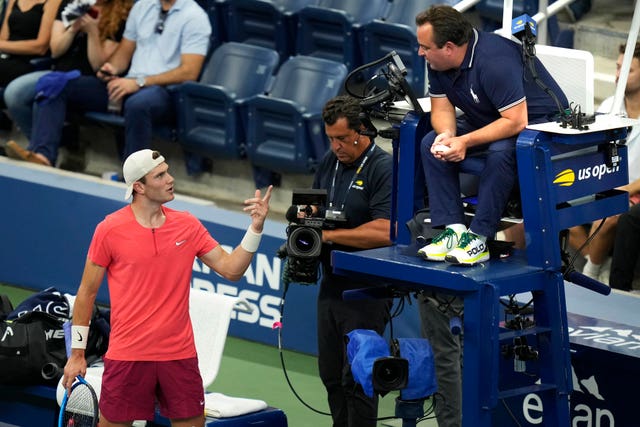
{"points": [[79, 336], [251, 240]]}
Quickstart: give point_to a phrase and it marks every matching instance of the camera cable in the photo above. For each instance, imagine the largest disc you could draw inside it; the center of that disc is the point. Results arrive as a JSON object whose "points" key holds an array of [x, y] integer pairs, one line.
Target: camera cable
{"points": [[278, 326]]}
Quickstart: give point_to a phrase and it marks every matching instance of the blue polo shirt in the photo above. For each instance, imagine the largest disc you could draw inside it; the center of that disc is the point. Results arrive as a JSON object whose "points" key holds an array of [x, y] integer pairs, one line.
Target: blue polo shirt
{"points": [[187, 30], [493, 78]]}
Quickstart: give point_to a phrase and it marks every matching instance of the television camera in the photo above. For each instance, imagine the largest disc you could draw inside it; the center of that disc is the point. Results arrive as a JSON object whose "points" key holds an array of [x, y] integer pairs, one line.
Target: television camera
{"points": [[307, 217]]}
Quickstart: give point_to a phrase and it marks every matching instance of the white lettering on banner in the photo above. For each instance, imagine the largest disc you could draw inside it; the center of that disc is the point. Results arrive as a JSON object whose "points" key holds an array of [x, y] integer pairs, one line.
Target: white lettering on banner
{"points": [[267, 269], [270, 305], [265, 307], [532, 408], [250, 297], [607, 335], [586, 417]]}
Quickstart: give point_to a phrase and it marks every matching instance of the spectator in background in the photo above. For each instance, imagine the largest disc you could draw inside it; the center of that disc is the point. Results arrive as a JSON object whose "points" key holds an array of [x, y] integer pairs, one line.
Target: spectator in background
{"points": [[598, 265], [626, 250], [165, 42], [24, 35], [85, 45]]}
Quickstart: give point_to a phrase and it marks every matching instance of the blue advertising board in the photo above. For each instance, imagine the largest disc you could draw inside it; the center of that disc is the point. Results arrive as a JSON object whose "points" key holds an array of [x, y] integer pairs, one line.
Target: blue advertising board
{"points": [[604, 334]]}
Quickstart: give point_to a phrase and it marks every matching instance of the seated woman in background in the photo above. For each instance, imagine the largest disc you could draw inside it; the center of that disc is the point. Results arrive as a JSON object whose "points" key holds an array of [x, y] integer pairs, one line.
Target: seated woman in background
{"points": [[85, 45], [25, 34]]}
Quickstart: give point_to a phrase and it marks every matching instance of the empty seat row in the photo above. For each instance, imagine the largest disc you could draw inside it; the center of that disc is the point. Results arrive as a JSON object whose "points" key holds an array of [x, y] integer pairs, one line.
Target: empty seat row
{"points": [[244, 105], [353, 32]]}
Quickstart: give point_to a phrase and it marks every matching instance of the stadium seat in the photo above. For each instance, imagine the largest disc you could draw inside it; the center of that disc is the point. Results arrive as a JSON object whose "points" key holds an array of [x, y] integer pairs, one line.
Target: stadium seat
{"points": [[330, 29], [215, 11], [398, 32], [284, 128], [267, 23], [208, 111]]}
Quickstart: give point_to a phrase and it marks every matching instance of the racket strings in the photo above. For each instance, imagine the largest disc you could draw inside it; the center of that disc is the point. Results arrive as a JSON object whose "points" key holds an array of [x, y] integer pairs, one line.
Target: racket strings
{"points": [[81, 409]]}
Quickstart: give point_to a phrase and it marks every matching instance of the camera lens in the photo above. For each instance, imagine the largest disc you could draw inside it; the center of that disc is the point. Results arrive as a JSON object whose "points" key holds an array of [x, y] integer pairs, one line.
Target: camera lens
{"points": [[304, 242], [390, 373]]}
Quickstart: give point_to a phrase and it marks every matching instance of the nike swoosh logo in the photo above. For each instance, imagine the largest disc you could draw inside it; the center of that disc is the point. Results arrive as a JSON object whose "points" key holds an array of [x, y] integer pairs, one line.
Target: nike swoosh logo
{"points": [[180, 242], [80, 337]]}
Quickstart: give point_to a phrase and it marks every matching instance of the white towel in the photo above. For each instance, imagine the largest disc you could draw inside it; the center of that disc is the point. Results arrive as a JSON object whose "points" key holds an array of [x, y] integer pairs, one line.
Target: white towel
{"points": [[220, 406], [210, 316]]}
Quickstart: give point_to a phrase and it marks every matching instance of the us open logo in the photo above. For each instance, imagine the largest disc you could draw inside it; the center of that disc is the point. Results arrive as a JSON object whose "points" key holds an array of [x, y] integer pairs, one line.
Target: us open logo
{"points": [[567, 177]]}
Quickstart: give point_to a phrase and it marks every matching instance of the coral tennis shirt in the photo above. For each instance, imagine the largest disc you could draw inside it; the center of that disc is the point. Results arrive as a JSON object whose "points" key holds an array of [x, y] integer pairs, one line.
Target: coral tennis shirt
{"points": [[149, 275]]}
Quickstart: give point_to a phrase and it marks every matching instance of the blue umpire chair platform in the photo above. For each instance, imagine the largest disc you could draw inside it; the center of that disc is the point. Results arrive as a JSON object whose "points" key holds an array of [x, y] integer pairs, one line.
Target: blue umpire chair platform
{"points": [[557, 194]]}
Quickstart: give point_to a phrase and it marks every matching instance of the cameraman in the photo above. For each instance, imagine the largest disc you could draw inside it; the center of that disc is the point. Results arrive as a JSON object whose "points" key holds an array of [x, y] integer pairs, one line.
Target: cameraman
{"points": [[357, 176]]}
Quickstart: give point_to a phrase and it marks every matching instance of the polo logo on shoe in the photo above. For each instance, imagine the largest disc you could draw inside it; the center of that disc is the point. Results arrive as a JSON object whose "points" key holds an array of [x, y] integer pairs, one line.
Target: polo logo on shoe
{"points": [[478, 249]]}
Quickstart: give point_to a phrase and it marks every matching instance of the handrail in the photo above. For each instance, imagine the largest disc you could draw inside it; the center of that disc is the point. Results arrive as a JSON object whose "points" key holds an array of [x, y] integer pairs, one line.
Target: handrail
{"points": [[465, 5], [545, 11]]}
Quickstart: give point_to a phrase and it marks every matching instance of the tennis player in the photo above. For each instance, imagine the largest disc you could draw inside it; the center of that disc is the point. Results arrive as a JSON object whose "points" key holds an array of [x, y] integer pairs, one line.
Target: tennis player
{"points": [[147, 251]]}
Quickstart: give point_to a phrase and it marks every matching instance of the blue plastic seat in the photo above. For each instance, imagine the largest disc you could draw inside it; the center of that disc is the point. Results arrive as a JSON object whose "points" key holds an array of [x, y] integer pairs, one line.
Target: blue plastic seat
{"points": [[208, 113], [331, 28], [398, 32], [215, 10], [284, 128], [267, 23]]}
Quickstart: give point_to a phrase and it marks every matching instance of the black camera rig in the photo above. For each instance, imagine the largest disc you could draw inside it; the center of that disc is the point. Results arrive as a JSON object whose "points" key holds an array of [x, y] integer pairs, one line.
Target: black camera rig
{"points": [[379, 93], [304, 236]]}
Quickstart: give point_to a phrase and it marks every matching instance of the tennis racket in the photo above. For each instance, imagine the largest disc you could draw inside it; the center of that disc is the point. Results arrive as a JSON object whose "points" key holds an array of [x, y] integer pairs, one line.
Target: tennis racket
{"points": [[80, 406]]}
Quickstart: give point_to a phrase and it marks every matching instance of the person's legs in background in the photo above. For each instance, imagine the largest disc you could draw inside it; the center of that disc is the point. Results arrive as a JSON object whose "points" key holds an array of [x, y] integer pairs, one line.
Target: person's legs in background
{"points": [[626, 249], [436, 312], [86, 93], [19, 97], [150, 105], [597, 265], [516, 234]]}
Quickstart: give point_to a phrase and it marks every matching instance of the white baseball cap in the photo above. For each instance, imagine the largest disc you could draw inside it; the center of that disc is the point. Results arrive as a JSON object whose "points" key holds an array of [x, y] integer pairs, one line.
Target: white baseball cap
{"points": [[137, 165]]}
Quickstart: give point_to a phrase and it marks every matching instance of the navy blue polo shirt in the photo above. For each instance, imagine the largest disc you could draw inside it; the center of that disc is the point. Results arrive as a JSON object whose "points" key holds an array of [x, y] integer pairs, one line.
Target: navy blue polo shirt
{"points": [[493, 78], [366, 199]]}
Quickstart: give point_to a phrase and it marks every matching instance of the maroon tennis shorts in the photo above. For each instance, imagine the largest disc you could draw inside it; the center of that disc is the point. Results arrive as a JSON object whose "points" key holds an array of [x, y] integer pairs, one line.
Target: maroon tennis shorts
{"points": [[131, 390]]}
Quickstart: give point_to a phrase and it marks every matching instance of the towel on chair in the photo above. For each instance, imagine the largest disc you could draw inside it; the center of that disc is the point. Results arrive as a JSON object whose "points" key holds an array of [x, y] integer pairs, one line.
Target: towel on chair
{"points": [[220, 406], [210, 316]]}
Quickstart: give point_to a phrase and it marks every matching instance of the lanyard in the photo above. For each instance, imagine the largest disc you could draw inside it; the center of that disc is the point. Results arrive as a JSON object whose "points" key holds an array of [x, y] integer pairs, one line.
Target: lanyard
{"points": [[353, 179]]}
